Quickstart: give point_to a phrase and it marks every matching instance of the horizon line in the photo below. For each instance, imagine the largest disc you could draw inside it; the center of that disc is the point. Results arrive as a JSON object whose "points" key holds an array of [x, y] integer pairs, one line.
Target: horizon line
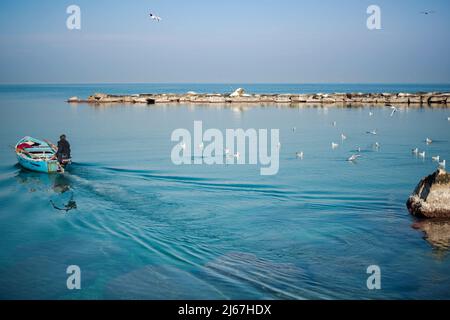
{"points": [[226, 83]]}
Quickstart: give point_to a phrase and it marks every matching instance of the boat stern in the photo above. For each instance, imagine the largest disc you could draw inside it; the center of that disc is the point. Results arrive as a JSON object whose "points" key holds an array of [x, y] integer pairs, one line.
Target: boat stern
{"points": [[53, 166]]}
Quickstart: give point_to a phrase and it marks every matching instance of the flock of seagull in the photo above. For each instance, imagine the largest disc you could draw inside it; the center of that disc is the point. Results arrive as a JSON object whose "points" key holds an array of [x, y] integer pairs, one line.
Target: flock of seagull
{"points": [[422, 154], [354, 157]]}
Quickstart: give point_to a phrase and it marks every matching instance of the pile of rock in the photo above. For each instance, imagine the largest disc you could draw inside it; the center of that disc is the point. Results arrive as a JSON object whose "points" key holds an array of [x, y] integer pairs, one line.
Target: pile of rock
{"points": [[431, 198]]}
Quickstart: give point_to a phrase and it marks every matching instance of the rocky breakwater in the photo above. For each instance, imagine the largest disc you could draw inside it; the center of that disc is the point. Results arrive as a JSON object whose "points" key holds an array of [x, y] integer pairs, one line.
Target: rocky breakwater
{"points": [[240, 96]]}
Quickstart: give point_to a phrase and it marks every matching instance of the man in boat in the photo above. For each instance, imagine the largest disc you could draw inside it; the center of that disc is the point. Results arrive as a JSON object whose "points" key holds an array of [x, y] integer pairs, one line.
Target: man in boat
{"points": [[63, 151]]}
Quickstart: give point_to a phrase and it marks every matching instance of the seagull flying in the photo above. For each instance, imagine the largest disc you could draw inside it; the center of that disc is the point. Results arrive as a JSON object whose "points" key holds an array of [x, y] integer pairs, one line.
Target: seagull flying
{"points": [[155, 17], [394, 110], [427, 12]]}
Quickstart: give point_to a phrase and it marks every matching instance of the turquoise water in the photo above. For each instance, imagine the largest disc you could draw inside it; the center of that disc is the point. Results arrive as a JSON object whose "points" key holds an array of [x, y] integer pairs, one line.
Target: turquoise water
{"points": [[145, 228]]}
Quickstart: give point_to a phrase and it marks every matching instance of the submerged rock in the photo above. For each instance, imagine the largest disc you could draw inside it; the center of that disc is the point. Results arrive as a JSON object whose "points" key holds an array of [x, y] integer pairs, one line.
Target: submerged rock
{"points": [[431, 198]]}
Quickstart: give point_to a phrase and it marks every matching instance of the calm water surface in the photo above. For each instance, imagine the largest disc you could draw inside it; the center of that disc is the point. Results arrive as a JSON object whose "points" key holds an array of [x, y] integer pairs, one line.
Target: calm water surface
{"points": [[145, 228]]}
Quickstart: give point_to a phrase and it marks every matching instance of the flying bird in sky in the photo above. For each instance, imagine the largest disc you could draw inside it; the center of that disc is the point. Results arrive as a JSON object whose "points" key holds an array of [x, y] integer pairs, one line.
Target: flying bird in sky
{"points": [[427, 12], [155, 17]]}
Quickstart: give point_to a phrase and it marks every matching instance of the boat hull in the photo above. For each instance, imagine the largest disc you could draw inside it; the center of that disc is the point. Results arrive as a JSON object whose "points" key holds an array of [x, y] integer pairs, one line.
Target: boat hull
{"points": [[50, 166], [40, 158]]}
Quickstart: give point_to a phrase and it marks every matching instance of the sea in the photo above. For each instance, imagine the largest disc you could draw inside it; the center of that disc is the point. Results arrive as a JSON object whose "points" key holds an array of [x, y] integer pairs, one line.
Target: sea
{"points": [[144, 227]]}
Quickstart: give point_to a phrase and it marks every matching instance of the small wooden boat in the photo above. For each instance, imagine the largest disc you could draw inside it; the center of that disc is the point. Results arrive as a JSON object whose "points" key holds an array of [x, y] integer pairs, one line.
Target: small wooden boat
{"points": [[37, 155]]}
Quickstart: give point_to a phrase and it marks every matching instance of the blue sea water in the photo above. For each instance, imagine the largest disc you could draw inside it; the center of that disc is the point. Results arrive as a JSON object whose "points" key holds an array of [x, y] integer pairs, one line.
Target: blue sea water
{"points": [[145, 228]]}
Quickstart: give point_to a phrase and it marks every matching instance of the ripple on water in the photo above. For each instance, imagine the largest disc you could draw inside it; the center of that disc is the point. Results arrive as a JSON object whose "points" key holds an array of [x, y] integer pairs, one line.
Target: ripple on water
{"points": [[161, 282], [259, 278]]}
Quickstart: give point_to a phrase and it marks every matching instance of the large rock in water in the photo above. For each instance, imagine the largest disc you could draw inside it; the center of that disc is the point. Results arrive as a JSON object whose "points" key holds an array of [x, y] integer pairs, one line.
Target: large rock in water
{"points": [[431, 198]]}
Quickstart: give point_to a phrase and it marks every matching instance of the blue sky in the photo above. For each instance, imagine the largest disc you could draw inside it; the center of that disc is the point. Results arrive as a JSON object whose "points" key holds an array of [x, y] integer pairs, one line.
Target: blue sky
{"points": [[249, 41]]}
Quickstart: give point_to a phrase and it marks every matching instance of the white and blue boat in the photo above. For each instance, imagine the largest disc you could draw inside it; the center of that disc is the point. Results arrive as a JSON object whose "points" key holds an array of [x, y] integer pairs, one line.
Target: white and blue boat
{"points": [[37, 155]]}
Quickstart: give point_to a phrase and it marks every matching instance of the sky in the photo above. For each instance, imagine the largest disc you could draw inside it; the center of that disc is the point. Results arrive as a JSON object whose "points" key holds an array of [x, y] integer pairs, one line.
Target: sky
{"points": [[212, 41]]}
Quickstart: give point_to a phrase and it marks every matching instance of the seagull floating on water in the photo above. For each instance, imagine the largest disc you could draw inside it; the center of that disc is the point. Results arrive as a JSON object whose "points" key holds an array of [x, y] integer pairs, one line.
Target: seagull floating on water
{"points": [[334, 123], [370, 113], [294, 129], [422, 154], [343, 136], [334, 145], [358, 149], [374, 132], [354, 157], [415, 151], [428, 141], [442, 164], [299, 155], [377, 145], [435, 158]]}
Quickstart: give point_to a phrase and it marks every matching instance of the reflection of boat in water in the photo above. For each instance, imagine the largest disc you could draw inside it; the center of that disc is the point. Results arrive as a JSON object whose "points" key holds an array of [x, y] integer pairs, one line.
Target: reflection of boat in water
{"points": [[437, 232], [40, 156], [40, 182], [60, 184]]}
